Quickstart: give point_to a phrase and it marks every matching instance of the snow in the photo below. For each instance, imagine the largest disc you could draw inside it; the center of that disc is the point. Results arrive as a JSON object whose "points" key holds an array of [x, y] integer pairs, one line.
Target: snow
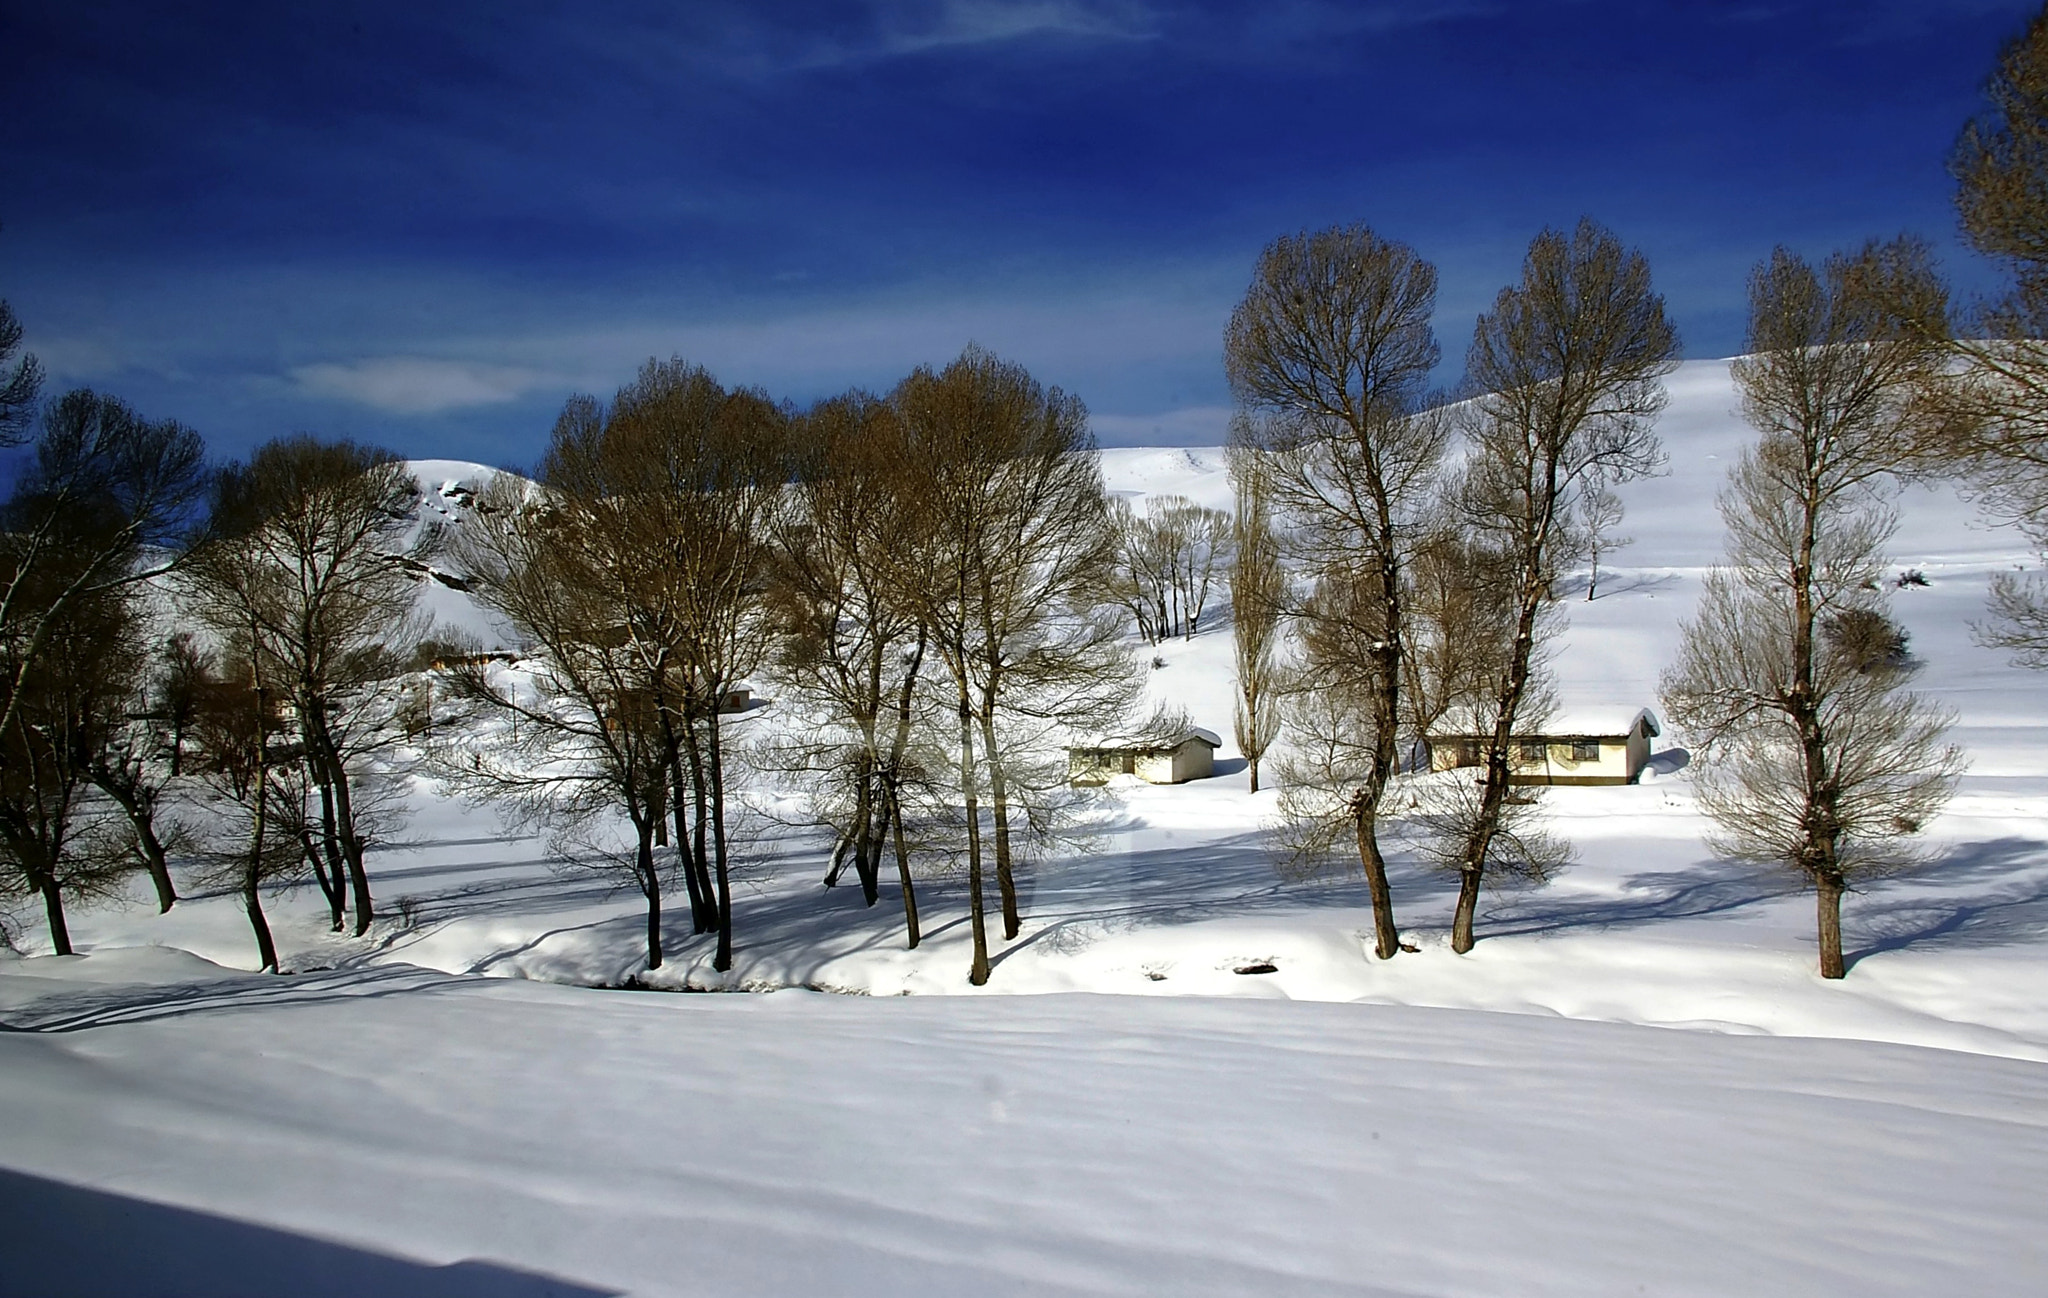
{"points": [[802, 1143], [1634, 1083]]}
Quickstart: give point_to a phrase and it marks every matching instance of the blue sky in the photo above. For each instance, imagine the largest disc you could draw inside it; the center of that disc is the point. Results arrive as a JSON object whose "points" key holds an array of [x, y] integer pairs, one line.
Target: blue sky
{"points": [[425, 224]]}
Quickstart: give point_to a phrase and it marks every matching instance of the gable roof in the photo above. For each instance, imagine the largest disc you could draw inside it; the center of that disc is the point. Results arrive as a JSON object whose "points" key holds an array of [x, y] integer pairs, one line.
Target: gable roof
{"points": [[1154, 742], [1597, 722]]}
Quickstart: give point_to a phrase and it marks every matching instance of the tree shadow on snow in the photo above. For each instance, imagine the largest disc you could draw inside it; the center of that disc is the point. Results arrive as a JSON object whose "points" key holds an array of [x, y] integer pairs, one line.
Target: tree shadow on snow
{"points": [[1976, 895], [62, 1239], [131, 1003], [1614, 581], [1996, 895], [1650, 897]]}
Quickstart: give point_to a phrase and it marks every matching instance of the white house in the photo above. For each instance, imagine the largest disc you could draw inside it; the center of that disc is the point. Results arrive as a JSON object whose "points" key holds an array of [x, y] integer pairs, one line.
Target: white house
{"points": [[1173, 758], [1578, 746]]}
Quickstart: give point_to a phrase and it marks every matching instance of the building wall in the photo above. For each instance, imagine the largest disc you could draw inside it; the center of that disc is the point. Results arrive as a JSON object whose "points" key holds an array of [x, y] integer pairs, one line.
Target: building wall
{"points": [[1155, 768], [1193, 760], [1619, 761], [1638, 752], [1085, 766]]}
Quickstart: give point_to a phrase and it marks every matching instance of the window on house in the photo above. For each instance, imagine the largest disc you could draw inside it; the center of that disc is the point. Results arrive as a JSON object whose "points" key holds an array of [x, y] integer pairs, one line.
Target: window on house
{"points": [[1533, 750], [1585, 750]]}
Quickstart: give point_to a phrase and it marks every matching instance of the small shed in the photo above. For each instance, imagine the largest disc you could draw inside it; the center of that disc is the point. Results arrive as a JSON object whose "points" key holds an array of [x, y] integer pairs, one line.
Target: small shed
{"points": [[1579, 746], [1171, 758]]}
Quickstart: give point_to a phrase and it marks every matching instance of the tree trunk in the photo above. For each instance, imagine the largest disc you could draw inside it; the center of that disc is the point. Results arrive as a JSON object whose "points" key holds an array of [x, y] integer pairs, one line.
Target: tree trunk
{"points": [[700, 900], [329, 888], [352, 851], [700, 853], [650, 885], [894, 783], [866, 866], [723, 960], [153, 860], [999, 802], [1828, 890], [1468, 903], [252, 870], [333, 873], [252, 905], [333, 773], [148, 847], [903, 870], [1386, 938], [1253, 762], [837, 865], [53, 908], [977, 972]]}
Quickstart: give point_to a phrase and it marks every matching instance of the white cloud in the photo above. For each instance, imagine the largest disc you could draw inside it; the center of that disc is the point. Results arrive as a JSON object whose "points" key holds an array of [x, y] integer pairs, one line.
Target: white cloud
{"points": [[415, 385]]}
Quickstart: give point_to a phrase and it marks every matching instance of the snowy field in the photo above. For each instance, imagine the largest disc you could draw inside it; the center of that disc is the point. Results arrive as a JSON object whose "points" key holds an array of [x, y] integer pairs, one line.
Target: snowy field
{"points": [[449, 1106]]}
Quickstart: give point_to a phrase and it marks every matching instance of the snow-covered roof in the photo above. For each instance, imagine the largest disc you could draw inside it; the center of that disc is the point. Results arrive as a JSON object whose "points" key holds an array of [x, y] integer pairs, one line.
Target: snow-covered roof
{"points": [[1169, 740], [1595, 722]]}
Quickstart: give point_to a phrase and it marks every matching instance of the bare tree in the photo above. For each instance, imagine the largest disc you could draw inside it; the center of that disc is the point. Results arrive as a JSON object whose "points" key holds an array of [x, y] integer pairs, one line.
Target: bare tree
{"points": [[183, 668], [1009, 548], [852, 643], [1812, 753], [1165, 562], [127, 765], [107, 502], [571, 738], [1992, 425], [54, 841], [639, 578], [1195, 539], [1595, 515], [254, 773], [1330, 353], [1460, 604], [1568, 367], [676, 489], [1258, 592], [302, 561]]}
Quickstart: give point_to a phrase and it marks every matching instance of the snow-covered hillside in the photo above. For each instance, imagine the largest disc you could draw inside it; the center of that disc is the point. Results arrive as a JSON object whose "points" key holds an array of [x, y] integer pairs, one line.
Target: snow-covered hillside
{"points": [[1165, 1126]]}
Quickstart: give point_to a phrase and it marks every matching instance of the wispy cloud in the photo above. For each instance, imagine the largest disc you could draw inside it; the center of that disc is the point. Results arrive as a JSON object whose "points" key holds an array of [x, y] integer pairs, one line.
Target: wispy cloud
{"points": [[415, 385], [900, 30]]}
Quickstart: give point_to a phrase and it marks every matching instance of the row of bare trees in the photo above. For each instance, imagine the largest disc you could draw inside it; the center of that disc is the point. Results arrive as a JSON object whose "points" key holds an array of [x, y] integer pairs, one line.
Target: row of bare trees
{"points": [[1166, 562], [934, 573], [1427, 581], [923, 571], [1431, 584], [1427, 539], [238, 741]]}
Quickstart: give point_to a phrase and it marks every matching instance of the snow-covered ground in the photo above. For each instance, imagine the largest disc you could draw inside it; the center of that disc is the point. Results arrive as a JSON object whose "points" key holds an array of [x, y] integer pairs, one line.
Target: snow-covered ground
{"points": [[1516, 1120]]}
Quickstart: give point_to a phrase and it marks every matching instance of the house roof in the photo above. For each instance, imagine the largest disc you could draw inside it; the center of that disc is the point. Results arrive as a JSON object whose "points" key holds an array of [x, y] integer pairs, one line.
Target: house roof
{"points": [[1156, 742], [1596, 722]]}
